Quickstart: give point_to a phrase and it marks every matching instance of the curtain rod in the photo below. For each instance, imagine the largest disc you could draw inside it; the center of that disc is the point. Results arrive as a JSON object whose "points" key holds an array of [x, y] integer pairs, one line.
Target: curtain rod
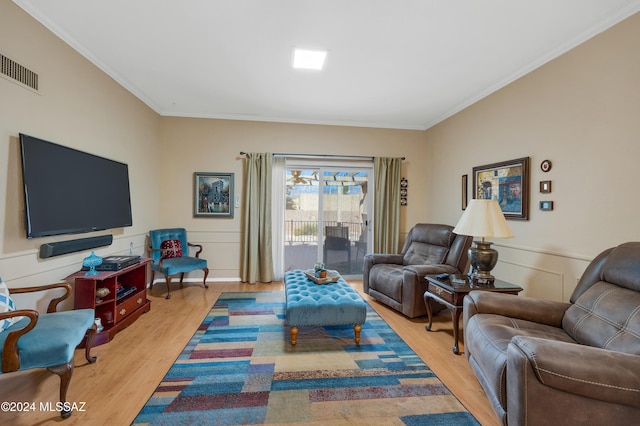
{"points": [[360, 157]]}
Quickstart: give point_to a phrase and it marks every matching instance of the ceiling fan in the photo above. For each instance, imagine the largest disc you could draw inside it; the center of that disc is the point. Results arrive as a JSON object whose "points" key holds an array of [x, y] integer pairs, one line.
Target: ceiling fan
{"points": [[298, 179]]}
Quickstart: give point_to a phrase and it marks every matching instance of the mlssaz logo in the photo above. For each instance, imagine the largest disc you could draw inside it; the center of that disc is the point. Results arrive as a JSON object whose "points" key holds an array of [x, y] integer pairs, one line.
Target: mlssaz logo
{"points": [[63, 406]]}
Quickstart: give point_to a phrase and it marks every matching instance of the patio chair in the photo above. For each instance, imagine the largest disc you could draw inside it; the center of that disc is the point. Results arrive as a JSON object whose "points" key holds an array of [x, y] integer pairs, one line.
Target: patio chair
{"points": [[336, 238]]}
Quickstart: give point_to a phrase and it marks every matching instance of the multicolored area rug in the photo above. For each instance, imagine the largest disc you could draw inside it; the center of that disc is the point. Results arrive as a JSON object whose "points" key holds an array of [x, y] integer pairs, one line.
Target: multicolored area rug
{"points": [[240, 368]]}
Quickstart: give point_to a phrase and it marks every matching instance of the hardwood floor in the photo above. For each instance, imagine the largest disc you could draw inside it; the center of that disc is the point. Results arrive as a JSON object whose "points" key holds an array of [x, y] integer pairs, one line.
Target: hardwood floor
{"points": [[114, 389]]}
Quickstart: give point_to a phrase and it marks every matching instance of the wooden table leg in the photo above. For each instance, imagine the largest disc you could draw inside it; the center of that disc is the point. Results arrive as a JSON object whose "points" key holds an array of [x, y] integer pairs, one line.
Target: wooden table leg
{"points": [[427, 304], [357, 328], [294, 335], [455, 315]]}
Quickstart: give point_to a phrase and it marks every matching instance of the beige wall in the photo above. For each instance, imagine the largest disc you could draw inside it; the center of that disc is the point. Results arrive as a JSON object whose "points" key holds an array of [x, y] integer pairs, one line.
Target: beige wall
{"points": [[81, 107], [202, 145], [581, 111], [78, 106]]}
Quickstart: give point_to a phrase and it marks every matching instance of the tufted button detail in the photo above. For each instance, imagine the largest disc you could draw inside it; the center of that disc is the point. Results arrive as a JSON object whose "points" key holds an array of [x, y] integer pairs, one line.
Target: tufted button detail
{"points": [[313, 304]]}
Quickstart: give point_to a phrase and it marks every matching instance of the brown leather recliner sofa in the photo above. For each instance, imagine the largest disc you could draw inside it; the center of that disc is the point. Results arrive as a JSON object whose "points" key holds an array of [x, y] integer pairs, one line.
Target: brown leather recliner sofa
{"points": [[397, 280], [543, 362]]}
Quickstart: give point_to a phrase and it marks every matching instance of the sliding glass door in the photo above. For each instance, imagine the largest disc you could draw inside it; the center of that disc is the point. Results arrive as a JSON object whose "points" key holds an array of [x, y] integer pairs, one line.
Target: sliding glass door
{"points": [[327, 217]]}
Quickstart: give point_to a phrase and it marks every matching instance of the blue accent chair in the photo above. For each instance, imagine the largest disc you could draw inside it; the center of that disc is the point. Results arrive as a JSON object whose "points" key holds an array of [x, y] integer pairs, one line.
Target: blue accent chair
{"points": [[47, 340], [168, 266]]}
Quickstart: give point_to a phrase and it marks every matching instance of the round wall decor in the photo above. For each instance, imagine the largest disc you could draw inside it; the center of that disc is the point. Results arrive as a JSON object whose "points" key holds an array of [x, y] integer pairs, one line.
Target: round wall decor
{"points": [[545, 166]]}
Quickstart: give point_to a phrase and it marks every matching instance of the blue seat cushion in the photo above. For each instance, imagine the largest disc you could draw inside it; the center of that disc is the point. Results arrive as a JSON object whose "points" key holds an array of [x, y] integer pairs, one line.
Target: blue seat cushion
{"points": [[54, 338], [178, 265], [308, 303]]}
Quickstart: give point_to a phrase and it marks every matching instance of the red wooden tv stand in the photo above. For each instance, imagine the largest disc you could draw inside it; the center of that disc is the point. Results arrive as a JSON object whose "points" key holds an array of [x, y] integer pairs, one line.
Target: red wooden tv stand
{"points": [[115, 313]]}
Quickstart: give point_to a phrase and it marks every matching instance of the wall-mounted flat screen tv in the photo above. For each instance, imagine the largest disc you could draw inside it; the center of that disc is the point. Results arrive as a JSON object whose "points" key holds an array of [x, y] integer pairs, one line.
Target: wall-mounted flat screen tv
{"points": [[67, 191]]}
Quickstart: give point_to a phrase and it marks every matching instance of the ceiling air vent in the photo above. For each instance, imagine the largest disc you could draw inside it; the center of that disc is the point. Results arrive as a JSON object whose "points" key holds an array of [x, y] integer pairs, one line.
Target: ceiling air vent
{"points": [[14, 71]]}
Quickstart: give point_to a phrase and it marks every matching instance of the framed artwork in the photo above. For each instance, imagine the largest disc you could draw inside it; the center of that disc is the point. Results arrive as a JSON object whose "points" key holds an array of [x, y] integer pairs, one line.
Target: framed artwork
{"points": [[213, 195], [545, 186], [546, 205], [507, 182], [464, 192], [403, 191]]}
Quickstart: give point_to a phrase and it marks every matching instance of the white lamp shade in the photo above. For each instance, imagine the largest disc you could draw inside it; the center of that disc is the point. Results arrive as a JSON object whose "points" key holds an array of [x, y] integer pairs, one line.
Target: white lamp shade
{"points": [[483, 218]]}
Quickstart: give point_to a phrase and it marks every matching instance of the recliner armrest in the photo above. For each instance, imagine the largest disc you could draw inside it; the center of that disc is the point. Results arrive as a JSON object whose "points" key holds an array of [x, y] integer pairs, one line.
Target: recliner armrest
{"points": [[375, 258], [546, 312], [588, 371], [421, 270]]}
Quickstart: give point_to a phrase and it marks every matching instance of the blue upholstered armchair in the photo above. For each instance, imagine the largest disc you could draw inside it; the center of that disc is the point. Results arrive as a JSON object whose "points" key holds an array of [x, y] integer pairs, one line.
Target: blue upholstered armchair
{"points": [[169, 251], [29, 339]]}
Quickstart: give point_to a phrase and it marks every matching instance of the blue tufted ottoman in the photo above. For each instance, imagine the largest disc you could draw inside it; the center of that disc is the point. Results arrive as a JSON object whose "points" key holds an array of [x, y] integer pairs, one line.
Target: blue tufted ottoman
{"points": [[308, 303]]}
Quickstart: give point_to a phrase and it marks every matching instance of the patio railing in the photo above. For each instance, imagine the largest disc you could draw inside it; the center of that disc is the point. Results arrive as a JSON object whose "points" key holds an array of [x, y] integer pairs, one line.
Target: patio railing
{"points": [[306, 231]]}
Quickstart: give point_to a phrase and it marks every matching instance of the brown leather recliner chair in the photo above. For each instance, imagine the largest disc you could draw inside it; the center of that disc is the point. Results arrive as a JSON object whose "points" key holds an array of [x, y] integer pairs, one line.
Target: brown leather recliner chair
{"points": [[542, 362], [397, 280]]}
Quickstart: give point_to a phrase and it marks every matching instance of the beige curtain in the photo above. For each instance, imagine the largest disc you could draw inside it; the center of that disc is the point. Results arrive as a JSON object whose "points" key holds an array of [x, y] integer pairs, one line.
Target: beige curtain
{"points": [[386, 221], [256, 261]]}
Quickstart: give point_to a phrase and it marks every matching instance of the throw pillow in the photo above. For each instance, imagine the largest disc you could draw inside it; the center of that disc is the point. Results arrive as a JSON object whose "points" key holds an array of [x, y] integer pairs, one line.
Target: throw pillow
{"points": [[6, 305], [173, 248]]}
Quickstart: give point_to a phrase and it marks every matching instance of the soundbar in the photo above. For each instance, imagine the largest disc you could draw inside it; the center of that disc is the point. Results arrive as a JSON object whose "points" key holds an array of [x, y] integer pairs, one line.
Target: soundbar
{"points": [[72, 246]]}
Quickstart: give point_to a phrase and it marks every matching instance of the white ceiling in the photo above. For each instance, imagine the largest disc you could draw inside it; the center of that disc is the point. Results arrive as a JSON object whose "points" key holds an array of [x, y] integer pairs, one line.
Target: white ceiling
{"points": [[396, 63]]}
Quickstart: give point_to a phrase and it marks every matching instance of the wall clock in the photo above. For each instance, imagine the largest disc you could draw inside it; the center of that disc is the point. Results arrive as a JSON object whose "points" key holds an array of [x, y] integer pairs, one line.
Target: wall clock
{"points": [[545, 166]]}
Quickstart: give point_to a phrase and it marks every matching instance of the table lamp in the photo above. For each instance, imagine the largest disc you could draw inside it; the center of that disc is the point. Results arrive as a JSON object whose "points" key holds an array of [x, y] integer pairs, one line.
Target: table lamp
{"points": [[483, 218]]}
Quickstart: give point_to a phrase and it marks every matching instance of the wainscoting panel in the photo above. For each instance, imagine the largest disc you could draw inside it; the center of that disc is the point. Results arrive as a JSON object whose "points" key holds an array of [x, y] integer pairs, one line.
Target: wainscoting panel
{"points": [[536, 282], [27, 269], [542, 273], [222, 251]]}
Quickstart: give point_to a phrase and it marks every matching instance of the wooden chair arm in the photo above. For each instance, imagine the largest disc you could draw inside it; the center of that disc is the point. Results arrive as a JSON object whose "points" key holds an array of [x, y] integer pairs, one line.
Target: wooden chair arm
{"points": [[53, 304], [199, 248], [162, 255], [10, 356]]}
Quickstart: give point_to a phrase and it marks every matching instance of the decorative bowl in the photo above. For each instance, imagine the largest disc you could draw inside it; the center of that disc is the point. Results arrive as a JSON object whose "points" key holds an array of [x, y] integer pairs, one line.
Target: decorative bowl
{"points": [[91, 262]]}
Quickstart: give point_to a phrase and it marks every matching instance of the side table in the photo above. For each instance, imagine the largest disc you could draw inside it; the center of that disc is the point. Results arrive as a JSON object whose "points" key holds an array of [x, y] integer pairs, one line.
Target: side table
{"points": [[118, 309], [452, 294]]}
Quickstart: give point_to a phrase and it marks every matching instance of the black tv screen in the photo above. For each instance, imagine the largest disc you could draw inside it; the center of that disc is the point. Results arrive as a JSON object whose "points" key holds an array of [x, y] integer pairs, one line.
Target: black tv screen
{"points": [[67, 191]]}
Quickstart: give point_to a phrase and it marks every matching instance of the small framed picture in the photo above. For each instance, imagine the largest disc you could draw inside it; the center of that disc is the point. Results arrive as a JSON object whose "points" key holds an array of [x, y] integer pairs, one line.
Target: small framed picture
{"points": [[546, 205], [465, 197], [213, 195], [545, 186]]}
